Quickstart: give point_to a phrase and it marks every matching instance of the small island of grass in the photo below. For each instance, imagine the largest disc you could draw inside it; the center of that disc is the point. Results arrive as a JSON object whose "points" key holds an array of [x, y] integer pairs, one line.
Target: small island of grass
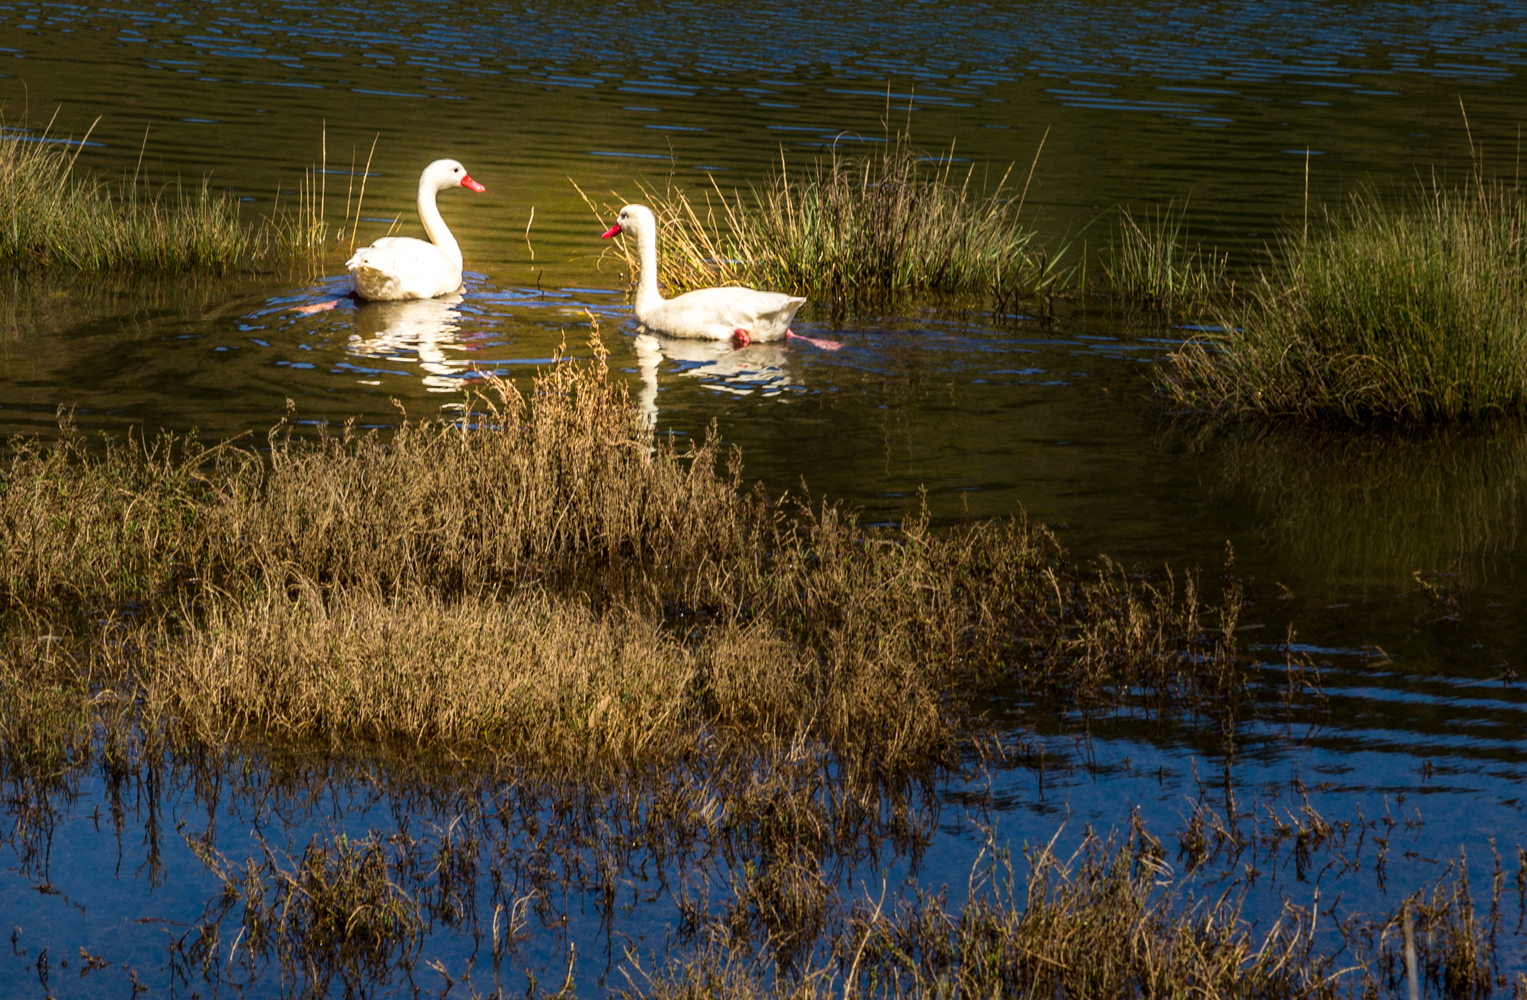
{"points": [[1408, 314]]}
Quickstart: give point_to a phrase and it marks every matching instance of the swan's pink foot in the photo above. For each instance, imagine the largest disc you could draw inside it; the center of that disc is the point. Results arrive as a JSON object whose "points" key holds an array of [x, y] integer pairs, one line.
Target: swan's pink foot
{"points": [[741, 338], [318, 307], [826, 345]]}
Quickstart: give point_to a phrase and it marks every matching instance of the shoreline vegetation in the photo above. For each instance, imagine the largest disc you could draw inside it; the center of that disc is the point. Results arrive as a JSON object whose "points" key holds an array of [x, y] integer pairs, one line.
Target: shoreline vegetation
{"points": [[592, 627], [54, 214], [541, 579]]}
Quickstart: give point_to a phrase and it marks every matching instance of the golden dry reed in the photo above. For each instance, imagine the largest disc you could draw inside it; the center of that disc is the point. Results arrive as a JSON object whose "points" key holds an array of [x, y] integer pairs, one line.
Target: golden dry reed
{"points": [[1114, 920], [539, 578]]}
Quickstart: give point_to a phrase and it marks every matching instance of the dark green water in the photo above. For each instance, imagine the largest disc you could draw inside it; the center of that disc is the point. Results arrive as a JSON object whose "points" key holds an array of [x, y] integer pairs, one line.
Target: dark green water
{"points": [[1223, 106]]}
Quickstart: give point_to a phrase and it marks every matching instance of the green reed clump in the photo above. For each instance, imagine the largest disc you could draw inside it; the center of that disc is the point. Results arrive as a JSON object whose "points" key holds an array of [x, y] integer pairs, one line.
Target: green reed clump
{"points": [[1408, 314], [1151, 260], [846, 226], [55, 215]]}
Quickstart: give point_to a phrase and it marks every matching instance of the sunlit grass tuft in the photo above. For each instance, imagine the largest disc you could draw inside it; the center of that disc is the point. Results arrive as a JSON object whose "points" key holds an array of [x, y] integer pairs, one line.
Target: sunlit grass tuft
{"points": [[54, 214], [1407, 314], [846, 226]]}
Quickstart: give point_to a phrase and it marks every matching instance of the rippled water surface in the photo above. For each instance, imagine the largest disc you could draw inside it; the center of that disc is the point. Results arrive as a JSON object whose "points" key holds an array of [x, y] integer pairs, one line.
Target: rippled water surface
{"points": [[1246, 112]]}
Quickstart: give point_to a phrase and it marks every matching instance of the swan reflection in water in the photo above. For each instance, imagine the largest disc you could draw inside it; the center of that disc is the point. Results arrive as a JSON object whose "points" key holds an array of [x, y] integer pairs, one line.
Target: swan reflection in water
{"points": [[759, 366], [425, 328]]}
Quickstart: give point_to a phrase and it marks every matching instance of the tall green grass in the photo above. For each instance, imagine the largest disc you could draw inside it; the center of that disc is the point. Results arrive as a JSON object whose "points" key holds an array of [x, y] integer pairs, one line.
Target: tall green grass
{"points": [[1151, 260], [53, 214], [847, 226], [1413, 313]]}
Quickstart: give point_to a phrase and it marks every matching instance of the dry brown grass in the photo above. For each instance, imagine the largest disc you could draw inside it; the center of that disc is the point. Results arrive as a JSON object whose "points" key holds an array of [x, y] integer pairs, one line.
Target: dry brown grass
{"points": [[533, 675], [1108, 921], [540, 579], [1093, 925], [1114, 920]]}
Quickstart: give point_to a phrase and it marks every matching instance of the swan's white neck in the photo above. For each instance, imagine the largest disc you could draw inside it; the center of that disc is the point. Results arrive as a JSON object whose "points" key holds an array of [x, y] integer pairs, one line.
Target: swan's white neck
{"points": [[434, 225], [647, 295]]}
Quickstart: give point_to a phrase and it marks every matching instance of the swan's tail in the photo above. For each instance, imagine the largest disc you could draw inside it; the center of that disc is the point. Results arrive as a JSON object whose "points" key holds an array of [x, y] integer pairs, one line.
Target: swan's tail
{"points": [[372, 283]]}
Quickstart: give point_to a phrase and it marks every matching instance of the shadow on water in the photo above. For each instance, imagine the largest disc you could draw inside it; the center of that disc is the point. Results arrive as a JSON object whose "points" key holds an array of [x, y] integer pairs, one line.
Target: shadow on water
{"points": [[1386, 504]]}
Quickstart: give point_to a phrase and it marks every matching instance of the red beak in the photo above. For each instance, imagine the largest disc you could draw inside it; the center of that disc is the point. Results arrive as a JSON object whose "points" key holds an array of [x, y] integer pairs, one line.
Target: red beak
{"points": [[612, 231], [470, 184]]}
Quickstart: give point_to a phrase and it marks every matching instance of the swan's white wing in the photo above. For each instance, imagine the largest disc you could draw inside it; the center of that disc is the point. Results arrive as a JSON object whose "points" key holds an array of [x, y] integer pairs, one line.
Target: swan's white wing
{"points": [[400, 267]]}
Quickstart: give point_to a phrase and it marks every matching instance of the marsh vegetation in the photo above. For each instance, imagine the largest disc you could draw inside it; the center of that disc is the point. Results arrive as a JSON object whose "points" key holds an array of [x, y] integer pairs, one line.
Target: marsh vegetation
{"points": [[846, 226], [54, 213], [539, 578], [1382, 314], [427, 704], [577, 649], [753, 856]]}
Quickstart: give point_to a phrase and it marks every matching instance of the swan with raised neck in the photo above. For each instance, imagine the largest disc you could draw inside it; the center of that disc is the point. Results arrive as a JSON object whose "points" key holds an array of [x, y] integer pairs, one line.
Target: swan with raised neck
{"points": [[734, 313], [401, 267]]}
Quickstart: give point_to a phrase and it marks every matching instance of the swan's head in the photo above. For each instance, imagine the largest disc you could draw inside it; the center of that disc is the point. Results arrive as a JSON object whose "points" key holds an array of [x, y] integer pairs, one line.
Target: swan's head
{"points": [[634, 220], [443, 174]]}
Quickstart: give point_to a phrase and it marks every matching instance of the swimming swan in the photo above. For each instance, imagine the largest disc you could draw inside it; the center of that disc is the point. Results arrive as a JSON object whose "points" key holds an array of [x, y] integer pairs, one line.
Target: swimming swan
{"points": [[401, 267], [741, 315]]}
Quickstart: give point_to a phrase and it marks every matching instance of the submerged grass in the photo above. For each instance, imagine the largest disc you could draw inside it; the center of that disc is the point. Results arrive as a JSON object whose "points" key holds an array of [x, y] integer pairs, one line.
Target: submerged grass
{"points": [[1114, 920], [53, 215], [1408, 315], [540, 579], [843, 227]]}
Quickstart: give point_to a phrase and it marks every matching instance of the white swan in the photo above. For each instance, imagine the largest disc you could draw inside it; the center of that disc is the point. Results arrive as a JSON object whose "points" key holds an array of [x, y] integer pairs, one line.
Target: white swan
{"points": [[741, 315], [401, 267]]}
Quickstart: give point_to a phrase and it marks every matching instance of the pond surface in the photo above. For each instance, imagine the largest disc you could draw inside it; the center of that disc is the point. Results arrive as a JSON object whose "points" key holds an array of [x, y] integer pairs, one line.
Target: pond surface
{"points": [[1246, 112]]}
